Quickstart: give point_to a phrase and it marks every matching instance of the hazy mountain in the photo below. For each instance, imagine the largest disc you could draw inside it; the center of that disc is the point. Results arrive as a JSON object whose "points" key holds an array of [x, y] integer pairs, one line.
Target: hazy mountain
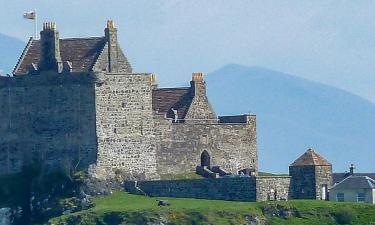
{"points": [[294, 114], [10, 50]]}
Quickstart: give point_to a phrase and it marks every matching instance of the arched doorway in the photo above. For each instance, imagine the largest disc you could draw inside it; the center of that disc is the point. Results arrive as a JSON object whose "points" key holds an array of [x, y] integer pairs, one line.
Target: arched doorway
{"points": [[205, 159]]}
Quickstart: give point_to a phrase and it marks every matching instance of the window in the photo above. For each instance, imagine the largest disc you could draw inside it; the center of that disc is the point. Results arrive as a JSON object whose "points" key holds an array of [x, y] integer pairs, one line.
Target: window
{"points": [[340, 197], [361, 197]]}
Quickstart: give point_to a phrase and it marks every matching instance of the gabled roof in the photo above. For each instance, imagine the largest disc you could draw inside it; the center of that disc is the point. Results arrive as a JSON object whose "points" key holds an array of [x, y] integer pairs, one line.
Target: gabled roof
{"points": [[338, 177], [355, 182], [311, 158], [81, 52], [164, 99]]}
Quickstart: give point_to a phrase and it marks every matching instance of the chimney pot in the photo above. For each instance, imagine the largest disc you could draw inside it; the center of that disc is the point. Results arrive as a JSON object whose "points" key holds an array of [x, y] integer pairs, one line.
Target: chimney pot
{"points": [[110, 24], [197, 76]]}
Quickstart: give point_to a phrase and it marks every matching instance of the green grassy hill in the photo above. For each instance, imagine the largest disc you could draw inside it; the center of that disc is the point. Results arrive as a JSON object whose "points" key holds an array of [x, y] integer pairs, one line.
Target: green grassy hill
{"points": [[124, 208]]}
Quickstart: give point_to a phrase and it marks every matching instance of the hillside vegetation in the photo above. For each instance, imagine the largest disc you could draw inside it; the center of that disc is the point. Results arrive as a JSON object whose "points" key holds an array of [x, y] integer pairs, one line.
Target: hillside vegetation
{"points": [[124, 208]]}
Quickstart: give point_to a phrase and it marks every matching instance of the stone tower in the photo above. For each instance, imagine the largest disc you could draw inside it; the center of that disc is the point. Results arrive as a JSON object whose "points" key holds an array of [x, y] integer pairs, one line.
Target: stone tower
{"points": [[311, 176]]}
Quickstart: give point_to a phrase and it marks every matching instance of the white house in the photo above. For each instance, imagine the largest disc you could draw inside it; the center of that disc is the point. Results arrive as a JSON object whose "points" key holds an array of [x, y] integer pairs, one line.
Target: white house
{"points": [[354, 189]]}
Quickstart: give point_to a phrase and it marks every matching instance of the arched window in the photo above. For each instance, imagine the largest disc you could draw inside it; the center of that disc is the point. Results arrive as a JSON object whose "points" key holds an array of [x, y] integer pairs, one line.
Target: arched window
{"points": [[205, 159]]}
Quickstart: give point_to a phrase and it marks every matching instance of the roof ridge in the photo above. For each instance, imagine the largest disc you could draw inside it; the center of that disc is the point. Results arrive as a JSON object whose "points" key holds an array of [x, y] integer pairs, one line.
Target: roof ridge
{"points": [[341, 181], [75, 38], [355, 180]]}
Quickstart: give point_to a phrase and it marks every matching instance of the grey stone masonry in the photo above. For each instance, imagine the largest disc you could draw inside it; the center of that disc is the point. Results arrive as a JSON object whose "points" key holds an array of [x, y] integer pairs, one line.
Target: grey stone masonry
{"points": [[48, 119], [234, 189], [311, 176], [76, 102], [124, 123], [50, 48], [323, 177], [303, 182], [230, 146], [273, 188], [200, 110], [231, 188], [309, 181]]}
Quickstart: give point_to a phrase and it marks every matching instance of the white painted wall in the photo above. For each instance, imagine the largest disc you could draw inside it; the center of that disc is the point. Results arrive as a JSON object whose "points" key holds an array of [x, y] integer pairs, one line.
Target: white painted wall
{"points": [[350, 195]]}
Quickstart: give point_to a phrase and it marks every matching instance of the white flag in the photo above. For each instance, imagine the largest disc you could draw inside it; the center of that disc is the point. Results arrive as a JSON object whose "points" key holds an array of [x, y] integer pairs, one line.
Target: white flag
{"points": [[31, 15]]}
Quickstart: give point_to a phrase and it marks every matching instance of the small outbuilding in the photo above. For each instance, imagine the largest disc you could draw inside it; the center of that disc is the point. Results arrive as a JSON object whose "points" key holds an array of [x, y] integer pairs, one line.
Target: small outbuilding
{"points": [[354, 189], [311, 176]]}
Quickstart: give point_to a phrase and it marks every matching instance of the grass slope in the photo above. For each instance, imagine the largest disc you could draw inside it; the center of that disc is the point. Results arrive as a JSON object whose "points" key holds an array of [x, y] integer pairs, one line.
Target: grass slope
{"points": [[124, 208]]}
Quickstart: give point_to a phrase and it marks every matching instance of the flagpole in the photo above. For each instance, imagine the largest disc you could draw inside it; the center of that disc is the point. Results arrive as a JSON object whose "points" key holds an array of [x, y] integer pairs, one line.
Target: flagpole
{"points": [[36, 24]]}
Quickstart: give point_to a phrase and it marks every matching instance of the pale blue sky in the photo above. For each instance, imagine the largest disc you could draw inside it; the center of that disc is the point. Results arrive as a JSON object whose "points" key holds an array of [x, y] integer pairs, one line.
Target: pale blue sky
{"points": [[332, 42]]}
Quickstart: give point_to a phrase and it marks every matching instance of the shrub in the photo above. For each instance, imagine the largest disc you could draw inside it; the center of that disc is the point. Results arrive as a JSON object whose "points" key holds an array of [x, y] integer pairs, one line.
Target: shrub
{"points": [[344, 215]]}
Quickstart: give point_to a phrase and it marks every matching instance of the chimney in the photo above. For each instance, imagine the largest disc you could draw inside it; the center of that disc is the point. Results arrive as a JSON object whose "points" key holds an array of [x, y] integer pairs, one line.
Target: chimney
{"points": [[111, 38], [50, 58], [197, 84], [153, 81], [351, 169]]}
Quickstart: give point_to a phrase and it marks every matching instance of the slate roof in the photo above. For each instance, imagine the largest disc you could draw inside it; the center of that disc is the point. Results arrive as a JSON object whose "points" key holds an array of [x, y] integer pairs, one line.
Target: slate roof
{"points": [[311, 158], [164, 99], [81, 52], [338, 177], [355, 182]]}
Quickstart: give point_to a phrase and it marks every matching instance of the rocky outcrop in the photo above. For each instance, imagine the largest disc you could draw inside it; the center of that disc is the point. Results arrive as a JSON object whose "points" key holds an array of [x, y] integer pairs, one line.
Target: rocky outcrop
{"points": [[254, 220], [277, 210]]}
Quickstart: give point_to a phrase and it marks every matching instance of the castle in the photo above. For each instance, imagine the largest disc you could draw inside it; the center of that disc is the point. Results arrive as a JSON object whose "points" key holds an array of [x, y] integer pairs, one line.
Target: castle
{"points": [[76, 103]]}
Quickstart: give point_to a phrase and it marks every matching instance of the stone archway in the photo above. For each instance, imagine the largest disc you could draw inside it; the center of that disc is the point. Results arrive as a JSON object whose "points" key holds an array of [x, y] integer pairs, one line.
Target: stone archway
{"points": [[205, 159]]}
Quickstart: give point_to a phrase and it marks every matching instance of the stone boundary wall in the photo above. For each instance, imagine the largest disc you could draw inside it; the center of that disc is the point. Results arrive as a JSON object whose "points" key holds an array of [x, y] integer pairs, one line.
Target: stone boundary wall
{"points": [[273, 188], [234, 189]]}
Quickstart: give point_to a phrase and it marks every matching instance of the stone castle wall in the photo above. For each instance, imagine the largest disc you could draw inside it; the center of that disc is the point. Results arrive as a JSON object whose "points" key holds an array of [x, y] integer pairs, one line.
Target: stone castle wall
{"points": [[234, 188], [179, 146], [273, 188], [125, 125], [47, 119], [107, 118]]}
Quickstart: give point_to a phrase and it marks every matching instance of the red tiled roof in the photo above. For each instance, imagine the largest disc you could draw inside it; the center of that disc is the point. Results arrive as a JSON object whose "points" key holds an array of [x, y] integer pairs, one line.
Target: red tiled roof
{"points": [[311, 158], [81, 52], [164, 99]]}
